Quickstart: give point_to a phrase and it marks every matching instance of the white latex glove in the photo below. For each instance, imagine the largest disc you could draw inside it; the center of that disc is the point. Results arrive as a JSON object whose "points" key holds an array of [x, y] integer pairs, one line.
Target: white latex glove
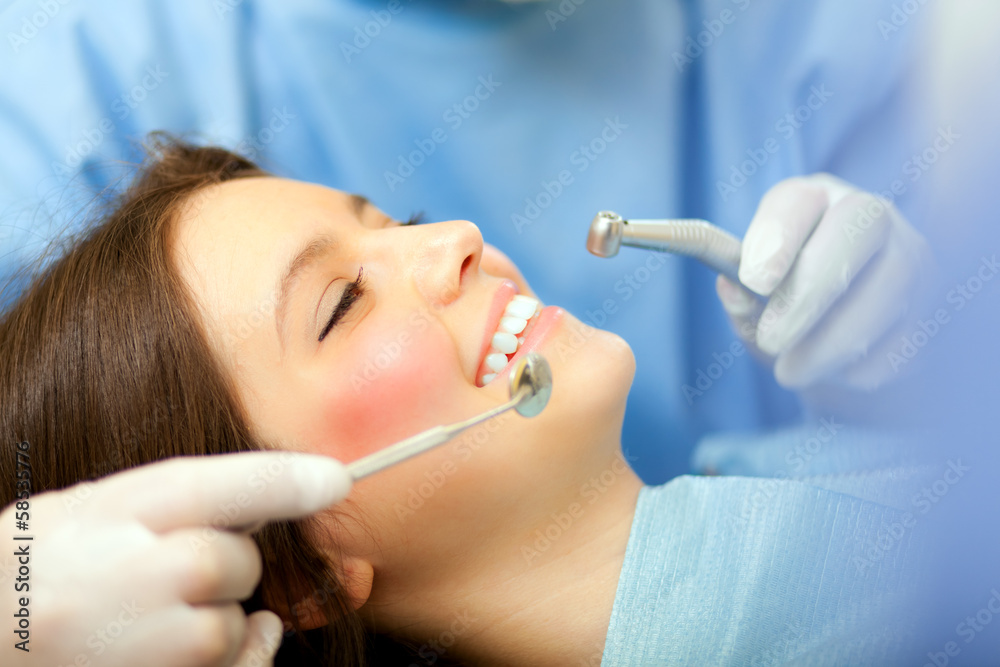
{"points": [[840, 269], [129, 571]]}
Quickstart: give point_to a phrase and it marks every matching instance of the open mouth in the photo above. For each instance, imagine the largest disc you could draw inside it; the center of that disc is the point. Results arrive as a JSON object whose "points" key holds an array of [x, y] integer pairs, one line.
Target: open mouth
{"points": [[518, 317]]}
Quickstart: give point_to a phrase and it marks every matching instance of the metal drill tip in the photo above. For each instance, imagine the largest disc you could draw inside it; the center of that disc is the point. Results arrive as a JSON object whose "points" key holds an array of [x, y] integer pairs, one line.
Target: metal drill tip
{"points": [[711, 245], [605, 235], [531, 379]]}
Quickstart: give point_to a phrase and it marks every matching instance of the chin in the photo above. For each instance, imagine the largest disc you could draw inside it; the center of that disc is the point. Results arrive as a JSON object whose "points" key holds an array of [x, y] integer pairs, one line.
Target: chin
{"points": [[592, 372]]}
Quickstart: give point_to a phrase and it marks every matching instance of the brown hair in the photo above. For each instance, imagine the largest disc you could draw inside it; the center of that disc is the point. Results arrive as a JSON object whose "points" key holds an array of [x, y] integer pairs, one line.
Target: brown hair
{"points": [[104, 366]]}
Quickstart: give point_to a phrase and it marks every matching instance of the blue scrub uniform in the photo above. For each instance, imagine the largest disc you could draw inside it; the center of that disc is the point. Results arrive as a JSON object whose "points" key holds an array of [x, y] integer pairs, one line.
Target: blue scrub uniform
{"points": [[525, 119]]}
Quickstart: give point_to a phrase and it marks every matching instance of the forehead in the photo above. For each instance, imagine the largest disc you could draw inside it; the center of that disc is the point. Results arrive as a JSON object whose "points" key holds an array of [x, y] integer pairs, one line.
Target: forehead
{"points": [[259, 208], [233, 240]]}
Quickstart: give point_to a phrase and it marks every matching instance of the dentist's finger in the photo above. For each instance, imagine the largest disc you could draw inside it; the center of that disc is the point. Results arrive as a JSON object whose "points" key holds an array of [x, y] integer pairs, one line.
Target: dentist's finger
{"points": [[199, 565], [883, 363], [785, 218], [264, 632], [178, 636], [854, 325], [836, 252], [742, 306], [246, 488]]}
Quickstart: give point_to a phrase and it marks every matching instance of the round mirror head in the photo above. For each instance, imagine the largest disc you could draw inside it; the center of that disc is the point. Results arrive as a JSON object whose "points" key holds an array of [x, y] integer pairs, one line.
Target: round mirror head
{"points": [[532, 378]]}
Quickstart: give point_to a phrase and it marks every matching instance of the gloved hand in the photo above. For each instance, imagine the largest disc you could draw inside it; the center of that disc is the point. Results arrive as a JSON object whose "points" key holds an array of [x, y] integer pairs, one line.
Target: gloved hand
{"points": [[130, 571], [840, 270]]}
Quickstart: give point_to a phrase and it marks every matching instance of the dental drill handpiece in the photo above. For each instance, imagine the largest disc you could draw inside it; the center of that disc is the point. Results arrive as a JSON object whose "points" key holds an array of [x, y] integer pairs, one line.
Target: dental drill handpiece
{"points": [[713, 246]]}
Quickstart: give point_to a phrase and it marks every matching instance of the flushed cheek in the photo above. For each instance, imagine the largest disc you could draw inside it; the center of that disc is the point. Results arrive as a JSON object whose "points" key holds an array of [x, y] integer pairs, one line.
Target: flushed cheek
{"points": [[389, 388]]}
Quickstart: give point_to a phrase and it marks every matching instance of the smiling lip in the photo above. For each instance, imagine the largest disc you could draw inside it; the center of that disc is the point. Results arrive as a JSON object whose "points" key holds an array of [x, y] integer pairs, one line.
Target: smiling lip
{"points": [[535, 335]]}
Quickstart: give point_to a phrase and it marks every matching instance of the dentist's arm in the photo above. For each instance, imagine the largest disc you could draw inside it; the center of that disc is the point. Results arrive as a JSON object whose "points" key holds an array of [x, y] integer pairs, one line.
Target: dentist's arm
{"points": [[147, 567], [840, 270]]}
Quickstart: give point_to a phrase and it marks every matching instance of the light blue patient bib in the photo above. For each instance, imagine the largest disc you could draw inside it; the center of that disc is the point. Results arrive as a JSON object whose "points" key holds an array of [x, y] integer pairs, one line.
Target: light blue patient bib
{"points": [[757, 571]]}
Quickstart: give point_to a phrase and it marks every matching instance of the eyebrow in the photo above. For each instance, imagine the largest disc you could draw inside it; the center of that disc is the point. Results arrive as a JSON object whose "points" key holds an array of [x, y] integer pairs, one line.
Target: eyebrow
{"points": [[317, 248]]}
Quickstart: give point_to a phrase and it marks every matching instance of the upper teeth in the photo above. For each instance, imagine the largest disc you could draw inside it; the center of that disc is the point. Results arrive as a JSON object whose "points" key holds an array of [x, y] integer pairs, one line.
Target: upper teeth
{"points": [[506, 341], [521, 306]]}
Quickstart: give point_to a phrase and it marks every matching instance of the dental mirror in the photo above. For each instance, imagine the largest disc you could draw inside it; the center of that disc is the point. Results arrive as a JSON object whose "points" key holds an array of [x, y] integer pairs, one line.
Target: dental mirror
{"points": [[530, 387], [532, 379]]}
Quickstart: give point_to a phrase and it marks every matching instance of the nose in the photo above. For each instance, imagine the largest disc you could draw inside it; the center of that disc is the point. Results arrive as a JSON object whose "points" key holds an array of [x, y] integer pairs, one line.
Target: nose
{"points": [[446, 255]]}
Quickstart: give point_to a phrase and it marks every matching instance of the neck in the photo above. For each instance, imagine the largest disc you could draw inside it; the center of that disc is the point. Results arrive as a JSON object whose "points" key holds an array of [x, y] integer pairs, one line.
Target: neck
{"points": [[539, 594]]}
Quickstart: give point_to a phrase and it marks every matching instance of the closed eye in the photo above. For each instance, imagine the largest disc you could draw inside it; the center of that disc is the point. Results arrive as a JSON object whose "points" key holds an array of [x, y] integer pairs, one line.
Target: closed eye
{"points": [[417, 218], [356, 289], [352, 292]]}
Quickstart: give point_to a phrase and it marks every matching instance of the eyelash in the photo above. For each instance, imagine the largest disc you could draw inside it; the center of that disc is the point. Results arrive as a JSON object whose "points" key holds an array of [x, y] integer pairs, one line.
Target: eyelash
{"points": [[417, 218], [354, 291], [357, 287]]}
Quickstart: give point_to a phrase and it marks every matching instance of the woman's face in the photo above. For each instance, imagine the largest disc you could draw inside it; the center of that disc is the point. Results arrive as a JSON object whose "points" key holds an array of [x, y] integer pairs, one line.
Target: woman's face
{"points": [[346, 331]]}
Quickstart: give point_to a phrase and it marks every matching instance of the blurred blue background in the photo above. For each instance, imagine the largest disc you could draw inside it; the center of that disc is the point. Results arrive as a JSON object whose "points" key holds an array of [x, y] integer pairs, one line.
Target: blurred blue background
{"points": [[474, 110]]}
